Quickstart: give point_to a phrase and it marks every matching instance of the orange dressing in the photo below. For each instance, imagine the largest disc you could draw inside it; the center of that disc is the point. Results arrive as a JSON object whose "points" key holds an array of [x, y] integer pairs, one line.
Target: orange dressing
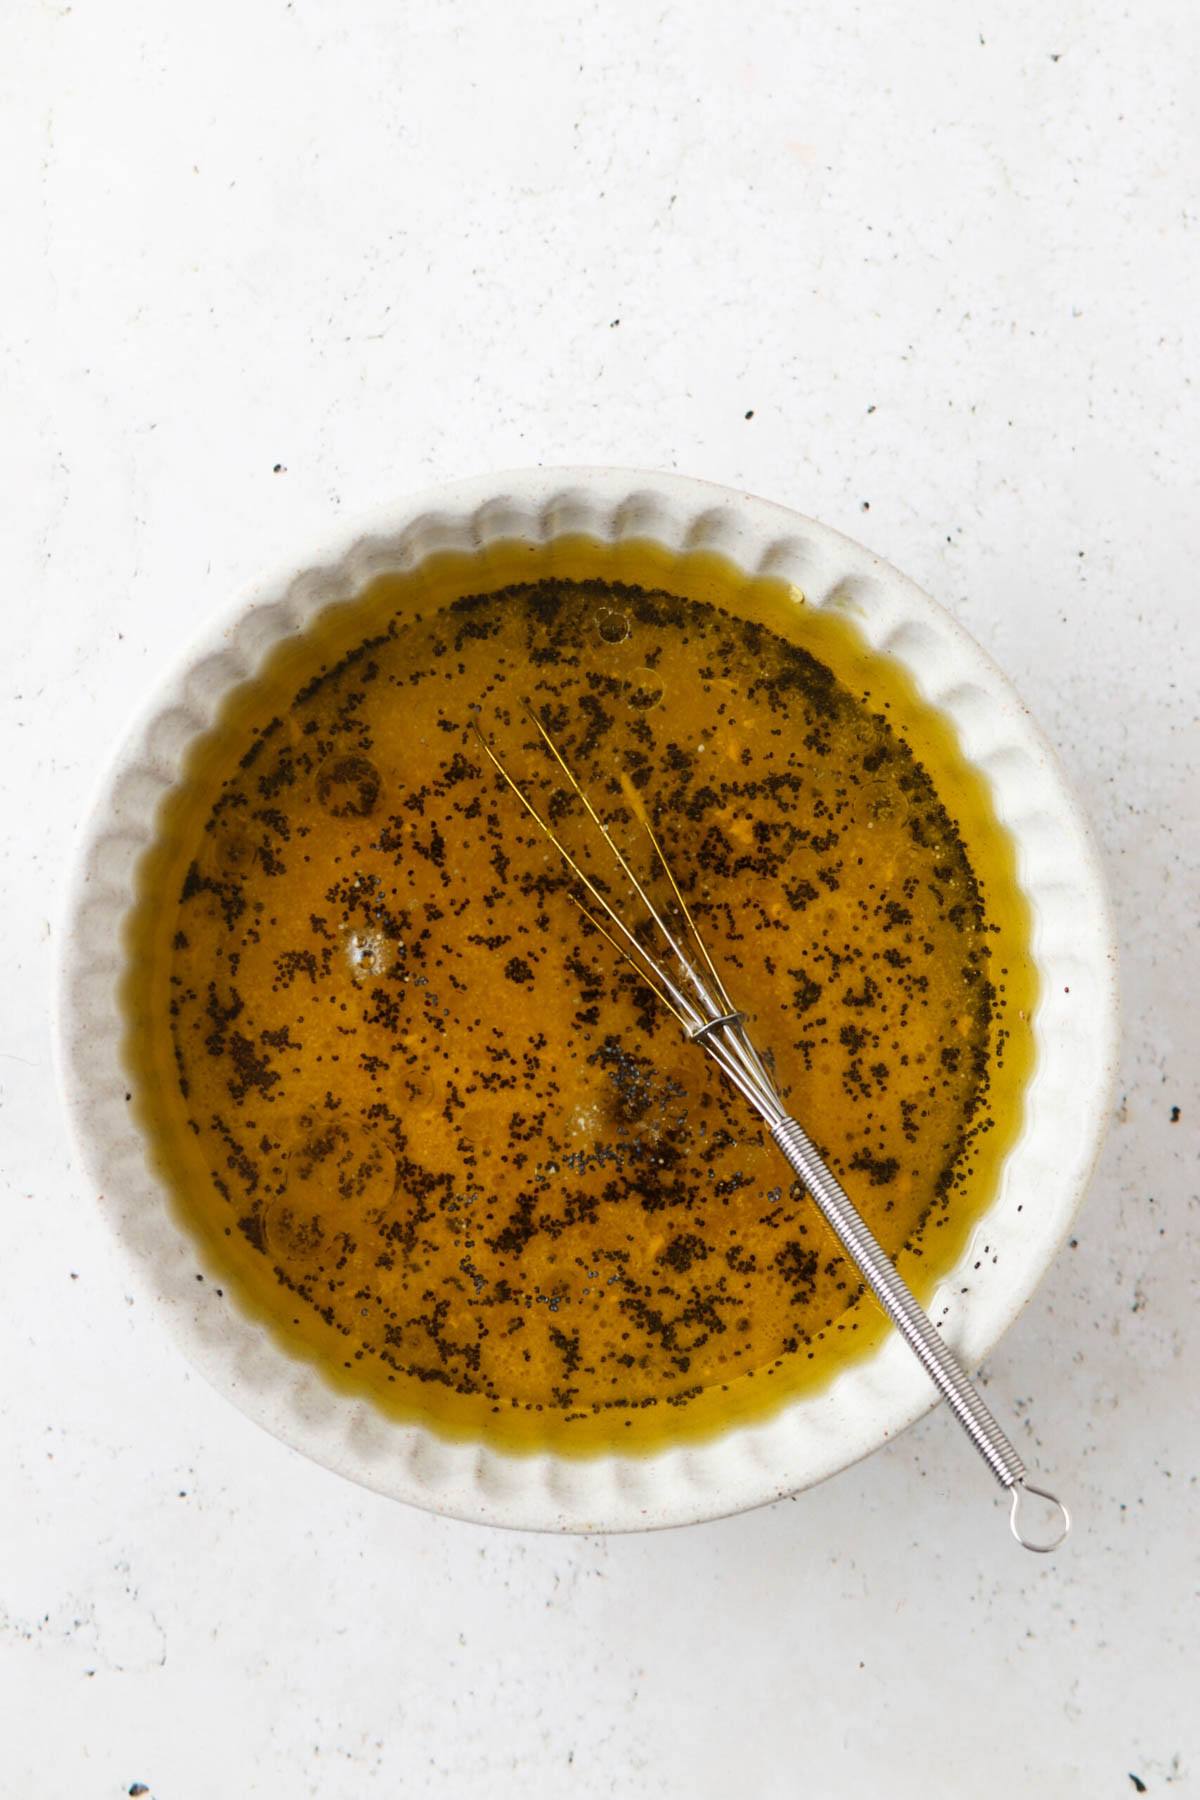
{"points": [[434, 1132]]}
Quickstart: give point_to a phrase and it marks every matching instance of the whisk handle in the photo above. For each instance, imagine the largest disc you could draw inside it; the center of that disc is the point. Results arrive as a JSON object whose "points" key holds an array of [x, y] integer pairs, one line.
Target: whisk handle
{"points": [[893, 1294]]}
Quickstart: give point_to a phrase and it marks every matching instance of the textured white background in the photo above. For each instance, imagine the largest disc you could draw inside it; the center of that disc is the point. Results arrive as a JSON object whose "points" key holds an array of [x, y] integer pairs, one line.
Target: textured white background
{"points": [[946, 257]]}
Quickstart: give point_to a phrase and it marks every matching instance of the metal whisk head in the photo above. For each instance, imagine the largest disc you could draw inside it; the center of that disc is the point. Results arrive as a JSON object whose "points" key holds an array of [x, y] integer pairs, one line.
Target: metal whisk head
{"points": [[682, 974]]}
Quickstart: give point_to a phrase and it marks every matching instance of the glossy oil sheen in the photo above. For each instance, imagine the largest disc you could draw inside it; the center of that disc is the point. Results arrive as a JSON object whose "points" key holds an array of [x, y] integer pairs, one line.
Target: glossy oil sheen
{"points": [[436, 1135]]}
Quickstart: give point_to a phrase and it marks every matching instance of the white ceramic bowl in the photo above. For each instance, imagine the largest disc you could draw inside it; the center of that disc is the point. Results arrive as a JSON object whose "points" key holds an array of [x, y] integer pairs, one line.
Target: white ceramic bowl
{"points": [[1043, 1179]]}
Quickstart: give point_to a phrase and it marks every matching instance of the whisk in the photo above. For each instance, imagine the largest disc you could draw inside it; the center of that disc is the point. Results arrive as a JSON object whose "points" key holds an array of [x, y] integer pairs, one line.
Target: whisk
{"points": [[687, 982]]}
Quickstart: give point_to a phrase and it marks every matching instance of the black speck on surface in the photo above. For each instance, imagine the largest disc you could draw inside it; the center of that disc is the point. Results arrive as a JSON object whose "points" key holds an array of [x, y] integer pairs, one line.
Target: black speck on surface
{"points": [[750, 414], [139, 1787], [279, 469], [1174, 1115], [1139, 1784]]}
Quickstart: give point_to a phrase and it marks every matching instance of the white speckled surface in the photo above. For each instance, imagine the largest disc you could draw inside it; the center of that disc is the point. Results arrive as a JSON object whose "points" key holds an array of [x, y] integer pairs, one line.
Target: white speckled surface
{"points": [[948, 263]]}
